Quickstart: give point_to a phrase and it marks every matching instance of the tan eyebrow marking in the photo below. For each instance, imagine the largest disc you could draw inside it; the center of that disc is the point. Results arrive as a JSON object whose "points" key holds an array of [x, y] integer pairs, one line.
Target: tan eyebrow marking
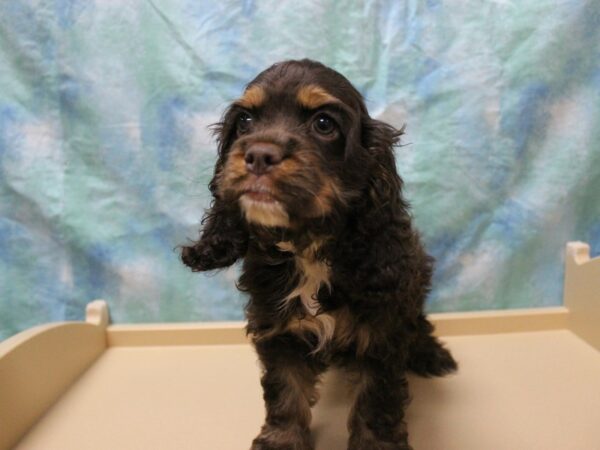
{"points": [[313, 96], [253, 97]]}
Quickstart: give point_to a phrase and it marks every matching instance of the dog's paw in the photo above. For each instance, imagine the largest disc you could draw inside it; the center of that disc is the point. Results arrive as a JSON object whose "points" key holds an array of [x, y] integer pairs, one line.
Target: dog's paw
{"points": [[368, 442], [291, 438], [384, 436], [208, 255], [199, 258], [261, 444], [431, 359]]}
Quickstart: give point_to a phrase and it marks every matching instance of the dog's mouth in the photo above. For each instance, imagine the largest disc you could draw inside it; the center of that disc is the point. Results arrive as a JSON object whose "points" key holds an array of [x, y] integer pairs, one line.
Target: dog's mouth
{"points": [[260, 205], [259, 193]]}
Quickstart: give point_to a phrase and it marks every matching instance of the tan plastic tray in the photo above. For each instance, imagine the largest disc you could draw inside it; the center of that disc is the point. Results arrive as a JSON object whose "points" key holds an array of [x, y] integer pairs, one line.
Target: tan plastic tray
{"points": [[528, 379]]}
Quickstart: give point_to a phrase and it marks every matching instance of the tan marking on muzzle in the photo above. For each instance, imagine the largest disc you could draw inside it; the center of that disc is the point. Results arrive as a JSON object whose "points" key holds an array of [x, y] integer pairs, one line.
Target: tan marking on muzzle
{"points": [[233, 170]]}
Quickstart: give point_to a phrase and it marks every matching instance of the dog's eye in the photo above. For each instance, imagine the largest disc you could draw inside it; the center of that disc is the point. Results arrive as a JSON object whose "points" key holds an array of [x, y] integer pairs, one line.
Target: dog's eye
{"points": [[323, 124], [244, 120]]}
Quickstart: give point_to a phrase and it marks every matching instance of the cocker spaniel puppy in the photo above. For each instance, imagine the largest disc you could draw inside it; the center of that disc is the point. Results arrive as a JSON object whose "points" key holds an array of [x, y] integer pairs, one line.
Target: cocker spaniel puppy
{"points": [[306, 191]]}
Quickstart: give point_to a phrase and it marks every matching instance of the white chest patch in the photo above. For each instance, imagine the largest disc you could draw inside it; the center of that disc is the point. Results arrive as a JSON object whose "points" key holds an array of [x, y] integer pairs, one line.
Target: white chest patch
{"points": [[312, 274]]}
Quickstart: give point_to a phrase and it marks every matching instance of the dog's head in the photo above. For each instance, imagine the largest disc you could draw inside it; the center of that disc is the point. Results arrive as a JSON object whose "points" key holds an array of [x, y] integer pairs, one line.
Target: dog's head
{"points": [[299, 148], [298, 145]]}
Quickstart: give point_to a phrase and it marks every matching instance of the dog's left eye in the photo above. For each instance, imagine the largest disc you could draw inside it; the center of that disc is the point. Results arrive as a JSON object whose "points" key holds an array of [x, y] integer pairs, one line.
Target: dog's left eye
{"points": [[323, 124], [244, 120]]}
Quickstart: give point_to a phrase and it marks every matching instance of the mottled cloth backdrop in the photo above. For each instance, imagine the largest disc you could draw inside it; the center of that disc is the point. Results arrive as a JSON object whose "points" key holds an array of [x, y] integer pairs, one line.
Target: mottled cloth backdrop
{"points": [[105, 153]]}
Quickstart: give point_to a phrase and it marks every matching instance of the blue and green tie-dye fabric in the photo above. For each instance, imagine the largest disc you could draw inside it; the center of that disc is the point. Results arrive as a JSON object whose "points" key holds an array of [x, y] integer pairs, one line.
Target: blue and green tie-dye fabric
{"points": [[105, 153]]}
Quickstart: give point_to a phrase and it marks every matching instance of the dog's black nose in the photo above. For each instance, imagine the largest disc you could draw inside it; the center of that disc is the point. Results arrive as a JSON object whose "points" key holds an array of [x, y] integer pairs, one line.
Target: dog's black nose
{"points": [[260, 158]]}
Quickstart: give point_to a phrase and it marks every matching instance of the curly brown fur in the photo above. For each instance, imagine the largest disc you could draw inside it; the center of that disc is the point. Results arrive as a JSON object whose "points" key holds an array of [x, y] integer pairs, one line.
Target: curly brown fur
{"points": [[306, 192]]}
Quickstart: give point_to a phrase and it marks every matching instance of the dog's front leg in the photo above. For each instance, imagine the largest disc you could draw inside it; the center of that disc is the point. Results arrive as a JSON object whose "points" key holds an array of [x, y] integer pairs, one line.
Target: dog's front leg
{"points": [[288, 382], [377, 418]]}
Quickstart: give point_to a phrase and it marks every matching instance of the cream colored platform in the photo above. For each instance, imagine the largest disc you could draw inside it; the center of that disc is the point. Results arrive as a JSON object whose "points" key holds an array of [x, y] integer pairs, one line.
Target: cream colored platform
{"points": [[528, 380]]}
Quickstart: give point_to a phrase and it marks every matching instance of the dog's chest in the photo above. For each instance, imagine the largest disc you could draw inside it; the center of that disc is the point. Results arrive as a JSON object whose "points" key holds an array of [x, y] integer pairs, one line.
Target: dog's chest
{"points": [[336, 326], [312, 274]]}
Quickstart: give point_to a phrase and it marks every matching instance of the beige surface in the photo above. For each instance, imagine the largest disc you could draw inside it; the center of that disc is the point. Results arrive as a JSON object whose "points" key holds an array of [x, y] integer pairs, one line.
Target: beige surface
{"points": [[209, 333], [37, 366], [582, 292], [196, 397], [515, 391], [446, 324]]}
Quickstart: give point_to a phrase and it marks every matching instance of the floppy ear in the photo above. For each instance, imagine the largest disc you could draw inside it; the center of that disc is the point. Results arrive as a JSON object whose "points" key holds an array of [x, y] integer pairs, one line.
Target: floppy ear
{"points": [[385, 185], [224, 235], [382, 252]]}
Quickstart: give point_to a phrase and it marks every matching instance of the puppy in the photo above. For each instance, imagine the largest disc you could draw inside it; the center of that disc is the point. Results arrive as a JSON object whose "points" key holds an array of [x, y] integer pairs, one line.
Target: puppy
{"points": [[306, 191]]}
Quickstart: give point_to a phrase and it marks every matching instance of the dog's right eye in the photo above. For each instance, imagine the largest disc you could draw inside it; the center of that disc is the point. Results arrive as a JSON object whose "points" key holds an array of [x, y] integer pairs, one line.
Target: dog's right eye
{"points": [[244, 121]]}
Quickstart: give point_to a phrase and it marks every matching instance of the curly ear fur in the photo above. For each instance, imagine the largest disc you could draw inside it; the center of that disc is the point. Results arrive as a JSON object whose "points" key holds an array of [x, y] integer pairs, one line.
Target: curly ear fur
{"points": [[224, 237], [385, 184], [380, 252]]}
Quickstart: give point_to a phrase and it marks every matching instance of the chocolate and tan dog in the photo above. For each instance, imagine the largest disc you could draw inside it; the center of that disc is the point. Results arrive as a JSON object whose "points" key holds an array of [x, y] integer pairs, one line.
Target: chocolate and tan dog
{"points": [[307, 193]]}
